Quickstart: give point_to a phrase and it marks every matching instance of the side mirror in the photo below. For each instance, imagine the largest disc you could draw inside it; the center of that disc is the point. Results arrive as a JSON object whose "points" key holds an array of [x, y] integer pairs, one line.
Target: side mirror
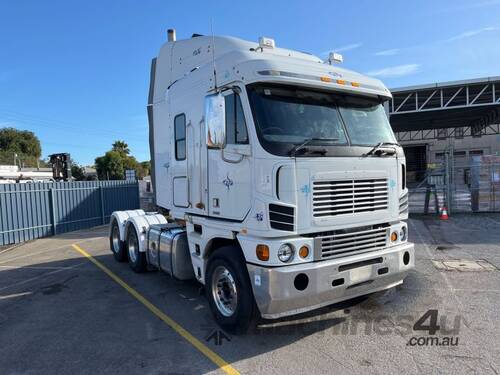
{"points": [[215, 121]]}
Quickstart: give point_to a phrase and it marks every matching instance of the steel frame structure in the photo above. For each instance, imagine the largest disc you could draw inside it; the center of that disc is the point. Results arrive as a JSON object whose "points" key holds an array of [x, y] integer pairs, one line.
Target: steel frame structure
{"points": [[444, 96], [479, 95], [460, 132]]}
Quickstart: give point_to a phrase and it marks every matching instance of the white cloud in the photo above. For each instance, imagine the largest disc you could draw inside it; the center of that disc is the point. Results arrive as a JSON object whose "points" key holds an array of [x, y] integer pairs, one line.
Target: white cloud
{"points": [[347, 47], [388, 52], [464, 35], [395, 71], [470, 33]]}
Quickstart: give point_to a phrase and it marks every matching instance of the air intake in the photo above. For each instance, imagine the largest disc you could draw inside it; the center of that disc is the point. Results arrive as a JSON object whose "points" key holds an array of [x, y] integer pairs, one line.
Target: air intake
{"points": [[343, 197], [281, 217], [347, 242]]}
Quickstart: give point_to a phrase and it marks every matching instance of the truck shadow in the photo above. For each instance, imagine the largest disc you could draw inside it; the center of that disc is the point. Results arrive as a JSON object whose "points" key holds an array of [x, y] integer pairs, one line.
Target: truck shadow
{"points": [[80, 306]]}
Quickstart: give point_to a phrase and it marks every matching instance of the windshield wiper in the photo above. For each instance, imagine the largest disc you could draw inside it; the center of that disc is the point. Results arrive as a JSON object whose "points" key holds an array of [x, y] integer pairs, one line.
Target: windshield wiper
{"points": [[378, 146], [301, 146]]}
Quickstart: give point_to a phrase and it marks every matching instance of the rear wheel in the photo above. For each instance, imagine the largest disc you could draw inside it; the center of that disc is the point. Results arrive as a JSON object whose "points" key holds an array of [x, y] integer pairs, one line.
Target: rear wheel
{"points": [[136, 258], [229, 290], [116, 245]]}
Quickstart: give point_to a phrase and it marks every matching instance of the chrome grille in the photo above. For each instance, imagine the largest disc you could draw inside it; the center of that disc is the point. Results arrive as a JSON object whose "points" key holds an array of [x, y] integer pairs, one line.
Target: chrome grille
{"points": [[346, 242], [342, 197]]}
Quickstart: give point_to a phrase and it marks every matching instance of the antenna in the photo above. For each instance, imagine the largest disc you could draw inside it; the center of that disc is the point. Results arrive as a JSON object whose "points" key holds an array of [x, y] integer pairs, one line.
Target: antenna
{"points": [[213, 53]]}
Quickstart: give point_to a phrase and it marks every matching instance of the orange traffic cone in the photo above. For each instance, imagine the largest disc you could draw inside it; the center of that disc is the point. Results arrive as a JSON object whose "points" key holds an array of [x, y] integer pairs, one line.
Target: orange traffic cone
{"points": [[444, 213]]}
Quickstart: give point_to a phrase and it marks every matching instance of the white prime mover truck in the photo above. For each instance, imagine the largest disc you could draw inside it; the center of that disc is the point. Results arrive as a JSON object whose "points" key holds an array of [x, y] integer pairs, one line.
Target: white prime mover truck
{"points": [[282, 182]]}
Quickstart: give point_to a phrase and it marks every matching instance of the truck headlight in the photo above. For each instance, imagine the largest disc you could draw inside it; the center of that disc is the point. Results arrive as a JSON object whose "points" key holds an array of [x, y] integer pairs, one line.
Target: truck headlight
{"points": [[285, 252], [403, 233]]}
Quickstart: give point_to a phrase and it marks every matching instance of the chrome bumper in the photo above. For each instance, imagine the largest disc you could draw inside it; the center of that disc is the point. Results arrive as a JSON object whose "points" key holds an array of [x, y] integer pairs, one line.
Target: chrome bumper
{"points": [[276, 294]]}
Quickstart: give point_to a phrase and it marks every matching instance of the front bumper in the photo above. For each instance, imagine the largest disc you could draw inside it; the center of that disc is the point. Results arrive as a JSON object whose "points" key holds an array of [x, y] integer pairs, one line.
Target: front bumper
{"points": [[277, 295]]}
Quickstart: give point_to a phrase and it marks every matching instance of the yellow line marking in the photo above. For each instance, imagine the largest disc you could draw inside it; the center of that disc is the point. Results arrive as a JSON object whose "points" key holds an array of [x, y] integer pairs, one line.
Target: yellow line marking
{"points": [[214, 357]]}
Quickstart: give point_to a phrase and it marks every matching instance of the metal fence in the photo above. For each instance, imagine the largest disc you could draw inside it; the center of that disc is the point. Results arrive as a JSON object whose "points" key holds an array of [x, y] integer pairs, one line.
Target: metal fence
{"points": [[34, 210], [461, 185]]}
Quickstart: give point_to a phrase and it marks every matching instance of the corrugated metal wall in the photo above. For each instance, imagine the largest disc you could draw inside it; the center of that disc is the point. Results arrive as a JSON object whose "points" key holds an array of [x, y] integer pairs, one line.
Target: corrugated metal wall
{"points": [[35, 210]]}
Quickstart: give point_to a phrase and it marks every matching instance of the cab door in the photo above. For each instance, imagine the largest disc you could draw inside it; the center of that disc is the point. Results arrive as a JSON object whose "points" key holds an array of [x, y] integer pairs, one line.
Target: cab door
{"points": [[229, 168]]}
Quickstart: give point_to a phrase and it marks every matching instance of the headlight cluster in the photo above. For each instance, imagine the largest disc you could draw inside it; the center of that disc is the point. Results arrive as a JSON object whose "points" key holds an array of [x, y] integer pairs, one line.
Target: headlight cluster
{"points": [[403, 233], [399, 235], [286, 252]]}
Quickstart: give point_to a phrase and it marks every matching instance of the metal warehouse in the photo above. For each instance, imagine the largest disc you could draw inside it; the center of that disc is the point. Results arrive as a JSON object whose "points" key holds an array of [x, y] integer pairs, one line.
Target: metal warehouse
{"points": [[452, 123]]}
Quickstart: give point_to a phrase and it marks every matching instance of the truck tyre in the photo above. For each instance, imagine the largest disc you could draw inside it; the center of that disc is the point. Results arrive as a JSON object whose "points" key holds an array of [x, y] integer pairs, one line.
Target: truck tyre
{"points": [[229, 290], [136, 258], [116, 245]]}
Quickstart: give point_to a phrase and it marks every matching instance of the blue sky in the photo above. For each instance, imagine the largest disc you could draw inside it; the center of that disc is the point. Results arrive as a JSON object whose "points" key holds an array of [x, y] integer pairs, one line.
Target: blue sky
{"points": [[76, 72]]}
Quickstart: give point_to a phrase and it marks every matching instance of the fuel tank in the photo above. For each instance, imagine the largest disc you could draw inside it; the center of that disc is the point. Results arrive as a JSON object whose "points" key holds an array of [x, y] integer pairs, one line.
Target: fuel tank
{"points": [[168, 250]]}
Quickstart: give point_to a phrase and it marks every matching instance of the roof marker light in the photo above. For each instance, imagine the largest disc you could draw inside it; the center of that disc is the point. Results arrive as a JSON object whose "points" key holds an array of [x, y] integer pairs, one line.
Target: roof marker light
{"points": [[266, 42], [355, 84], [340, 81], [335, 57], [325, 79]]}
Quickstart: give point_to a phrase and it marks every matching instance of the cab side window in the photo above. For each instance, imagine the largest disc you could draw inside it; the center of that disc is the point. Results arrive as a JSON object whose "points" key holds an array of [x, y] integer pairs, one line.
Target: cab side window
{"points": [[180, 136], [236, 129]]}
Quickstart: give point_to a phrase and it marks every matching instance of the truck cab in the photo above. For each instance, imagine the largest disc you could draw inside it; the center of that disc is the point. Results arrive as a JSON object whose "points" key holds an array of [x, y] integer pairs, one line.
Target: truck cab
{"points": [[283, 181]]}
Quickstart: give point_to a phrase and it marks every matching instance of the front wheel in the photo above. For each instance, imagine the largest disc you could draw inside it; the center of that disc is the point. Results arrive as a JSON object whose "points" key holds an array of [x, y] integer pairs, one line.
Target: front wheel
{"points": [[229, 290], [136, 258]]}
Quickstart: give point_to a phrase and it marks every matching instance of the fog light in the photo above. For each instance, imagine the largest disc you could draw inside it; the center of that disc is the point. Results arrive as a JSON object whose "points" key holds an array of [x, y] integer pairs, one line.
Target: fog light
{"points": [[285, 252], [394, 236], [301, 281], [406, 258], [262, 252], [304, 251]]}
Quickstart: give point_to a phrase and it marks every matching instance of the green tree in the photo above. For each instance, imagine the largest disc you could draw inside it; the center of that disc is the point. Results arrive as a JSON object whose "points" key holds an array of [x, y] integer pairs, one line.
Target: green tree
{"points": [[121, 146], [21, 145], [112, 164], [20, 141], [146, 166], [78, 172]]}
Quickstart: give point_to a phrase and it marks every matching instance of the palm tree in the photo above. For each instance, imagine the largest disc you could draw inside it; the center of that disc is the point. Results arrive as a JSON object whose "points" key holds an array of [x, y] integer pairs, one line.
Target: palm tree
{"points": [[121, 147]]}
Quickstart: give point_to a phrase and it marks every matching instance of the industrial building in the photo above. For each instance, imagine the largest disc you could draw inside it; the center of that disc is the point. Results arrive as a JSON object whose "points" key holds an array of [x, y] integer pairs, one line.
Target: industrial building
{"points": [[460, 116], [451, 135]]}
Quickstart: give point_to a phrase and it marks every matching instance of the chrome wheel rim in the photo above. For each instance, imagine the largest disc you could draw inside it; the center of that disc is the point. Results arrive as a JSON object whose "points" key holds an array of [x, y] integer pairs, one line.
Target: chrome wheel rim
{"points": [[115, 238], [224, 291], [133, 247]]}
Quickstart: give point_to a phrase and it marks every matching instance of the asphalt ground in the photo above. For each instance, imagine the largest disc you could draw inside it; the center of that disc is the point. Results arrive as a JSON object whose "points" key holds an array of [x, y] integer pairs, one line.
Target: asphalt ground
{"points": [[62, 312]]}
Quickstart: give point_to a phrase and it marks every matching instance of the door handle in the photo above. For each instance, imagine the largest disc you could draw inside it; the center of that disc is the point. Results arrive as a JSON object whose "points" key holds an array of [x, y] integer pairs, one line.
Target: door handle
{"points": [[230, 160]]}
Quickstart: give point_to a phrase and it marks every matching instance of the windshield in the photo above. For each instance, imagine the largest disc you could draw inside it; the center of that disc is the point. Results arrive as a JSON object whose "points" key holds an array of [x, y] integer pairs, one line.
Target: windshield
{"points": [[365, 120], [288, 116]]}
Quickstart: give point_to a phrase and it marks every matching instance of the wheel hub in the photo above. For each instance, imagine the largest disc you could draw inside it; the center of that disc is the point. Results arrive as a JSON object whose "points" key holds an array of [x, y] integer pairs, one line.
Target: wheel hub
{"points": [[224, 291], [115, 236], [133, 247]]}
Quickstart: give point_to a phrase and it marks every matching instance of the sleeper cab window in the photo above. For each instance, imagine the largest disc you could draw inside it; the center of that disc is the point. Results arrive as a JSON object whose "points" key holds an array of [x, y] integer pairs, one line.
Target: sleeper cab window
{"points": [[236, 129], [180, 136]]}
